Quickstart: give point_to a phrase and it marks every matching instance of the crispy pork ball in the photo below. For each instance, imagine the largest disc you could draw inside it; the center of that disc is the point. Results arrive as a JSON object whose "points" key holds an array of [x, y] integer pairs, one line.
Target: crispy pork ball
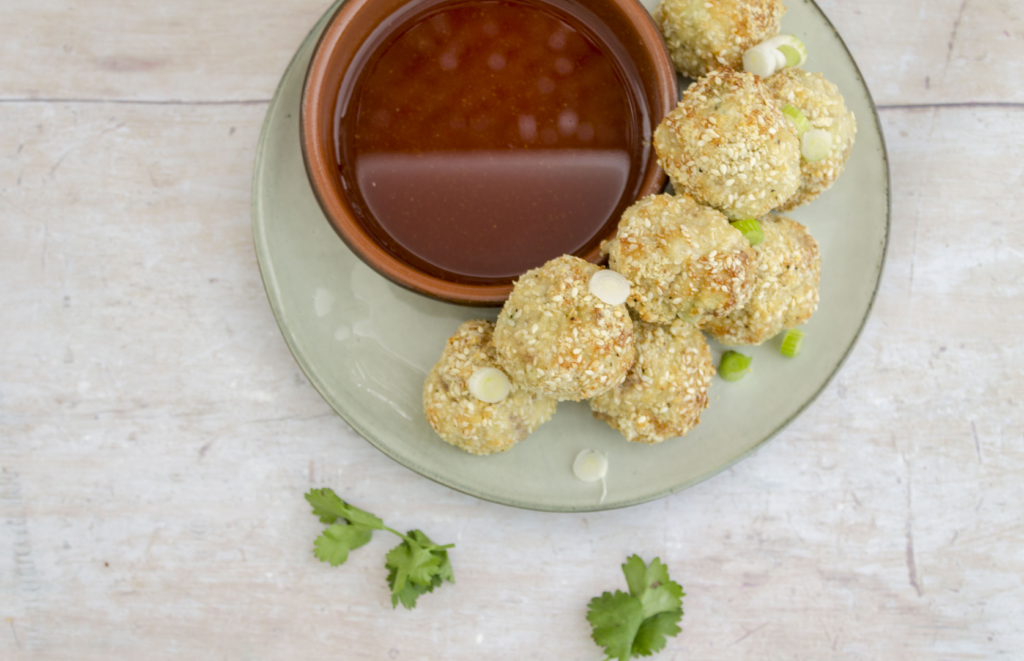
{"points": [[728, 145], [682, 260], [465, 421], [785, 288], [667, 388], [555, 338], [704, 35], [823, 106]]}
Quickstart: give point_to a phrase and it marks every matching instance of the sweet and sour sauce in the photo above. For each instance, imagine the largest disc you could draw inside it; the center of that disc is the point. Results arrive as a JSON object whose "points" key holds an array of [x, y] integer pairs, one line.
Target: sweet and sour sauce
{"points": [[479, 139]]}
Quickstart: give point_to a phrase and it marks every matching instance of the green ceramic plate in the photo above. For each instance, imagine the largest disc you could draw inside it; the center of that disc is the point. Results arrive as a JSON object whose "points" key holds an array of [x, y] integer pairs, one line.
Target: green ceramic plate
{"points": [[367, 345]]}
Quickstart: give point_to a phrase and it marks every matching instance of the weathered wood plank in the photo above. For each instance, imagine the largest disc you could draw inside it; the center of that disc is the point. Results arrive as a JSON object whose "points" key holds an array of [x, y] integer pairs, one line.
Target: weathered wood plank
{"points": [[179, 51], [911, 52], [158, 437], [935, 51]]}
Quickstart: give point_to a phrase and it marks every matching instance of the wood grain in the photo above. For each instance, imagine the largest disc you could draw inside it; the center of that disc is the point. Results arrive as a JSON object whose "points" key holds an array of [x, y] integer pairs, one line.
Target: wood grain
{"points": [[188, 50], [156, 436], [911, 51], [920, 52]]}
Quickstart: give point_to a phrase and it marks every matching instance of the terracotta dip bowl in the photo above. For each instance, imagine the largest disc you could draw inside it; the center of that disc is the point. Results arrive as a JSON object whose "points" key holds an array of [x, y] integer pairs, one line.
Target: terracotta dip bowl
{"points": [[455, 144]]}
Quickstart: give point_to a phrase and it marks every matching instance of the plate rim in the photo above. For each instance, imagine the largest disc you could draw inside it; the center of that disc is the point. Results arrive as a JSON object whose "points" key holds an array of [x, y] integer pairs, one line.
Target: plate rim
{"points": [[269, 286]]}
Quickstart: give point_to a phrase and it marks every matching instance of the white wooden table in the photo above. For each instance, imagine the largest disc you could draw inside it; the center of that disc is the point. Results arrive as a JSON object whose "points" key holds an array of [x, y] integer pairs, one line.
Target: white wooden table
{"points": [[156, 436]]}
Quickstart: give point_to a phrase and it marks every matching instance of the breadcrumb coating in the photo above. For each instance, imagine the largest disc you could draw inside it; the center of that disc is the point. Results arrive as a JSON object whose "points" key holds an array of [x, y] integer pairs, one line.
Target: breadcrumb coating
{"points": [[785, 289], [555, 338], [728, 145], [704, 35], [682, 260], [667, 388], [823, 106], [463, 420]]}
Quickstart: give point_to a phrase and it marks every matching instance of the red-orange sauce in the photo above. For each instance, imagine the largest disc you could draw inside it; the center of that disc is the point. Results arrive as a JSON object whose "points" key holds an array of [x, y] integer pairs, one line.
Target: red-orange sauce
{"points": [[478, 140]]}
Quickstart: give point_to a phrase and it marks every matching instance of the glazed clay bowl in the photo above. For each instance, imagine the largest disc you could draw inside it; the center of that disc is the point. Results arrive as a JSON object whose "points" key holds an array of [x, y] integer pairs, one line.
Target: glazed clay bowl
{"points": [[352, 31]]}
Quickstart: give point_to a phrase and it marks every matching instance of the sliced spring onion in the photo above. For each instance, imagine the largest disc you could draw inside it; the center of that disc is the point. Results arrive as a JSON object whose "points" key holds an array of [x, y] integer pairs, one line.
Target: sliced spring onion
{"points": [[734, 366], [751, 229], [489, 384], [774, 54], [791, 48], [791, 54], [791, 342], [609, 286], [799, 120], [760, 61], [780, 59], [590, 466], [815, 145]]}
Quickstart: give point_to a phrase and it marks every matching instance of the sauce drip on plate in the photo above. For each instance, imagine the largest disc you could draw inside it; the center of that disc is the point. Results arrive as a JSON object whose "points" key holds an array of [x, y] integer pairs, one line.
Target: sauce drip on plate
{"points": [[478, 140]]}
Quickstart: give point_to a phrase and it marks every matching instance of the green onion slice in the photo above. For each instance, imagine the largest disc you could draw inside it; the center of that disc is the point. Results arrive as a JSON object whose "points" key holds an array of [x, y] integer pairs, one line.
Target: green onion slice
{"points": [[609, 286], [791, 48], [791, 342], [489, 384], [815, 145], [590, 466], [760, 61], [791, 54], [799, 120], [734, 366], [751, 229]]}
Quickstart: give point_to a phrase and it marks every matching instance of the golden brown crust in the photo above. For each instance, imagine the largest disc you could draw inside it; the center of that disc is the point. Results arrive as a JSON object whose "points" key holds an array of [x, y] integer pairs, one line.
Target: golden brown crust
{"points": [[682, 260], [666, 389], [823, 106], [785, 289], [463, 420], [728, 145], [555, 338], [704, 35]]}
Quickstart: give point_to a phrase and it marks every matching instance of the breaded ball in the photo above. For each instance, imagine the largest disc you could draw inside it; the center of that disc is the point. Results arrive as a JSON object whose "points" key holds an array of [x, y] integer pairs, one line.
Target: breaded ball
{"points": [[465, 421], [666, 389], [823, 106], [785, 289], [704, 35], [555, 338], [728, 145], [682, 260]]}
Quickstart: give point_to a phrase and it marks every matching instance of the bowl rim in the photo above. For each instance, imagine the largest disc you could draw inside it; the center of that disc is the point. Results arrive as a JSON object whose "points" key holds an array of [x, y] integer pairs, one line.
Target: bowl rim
{"points": [[318, 161]]}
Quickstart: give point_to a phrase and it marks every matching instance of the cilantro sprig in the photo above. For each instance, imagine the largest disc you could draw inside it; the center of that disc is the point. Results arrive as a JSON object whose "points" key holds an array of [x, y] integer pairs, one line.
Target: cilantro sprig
{"points": [[638, 623], [416, 566]]}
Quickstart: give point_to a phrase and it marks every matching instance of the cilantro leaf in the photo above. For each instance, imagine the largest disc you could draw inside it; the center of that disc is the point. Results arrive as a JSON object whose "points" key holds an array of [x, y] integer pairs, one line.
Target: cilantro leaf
{"points": [[326, 505], [416, 566], [412, 563], [651, 584], [616, 618], [358, 517], [335, 543], [444, 568], [330, 507], [420, 538], [408, 595], [635, 570], [637, 624], [651, 637]]}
